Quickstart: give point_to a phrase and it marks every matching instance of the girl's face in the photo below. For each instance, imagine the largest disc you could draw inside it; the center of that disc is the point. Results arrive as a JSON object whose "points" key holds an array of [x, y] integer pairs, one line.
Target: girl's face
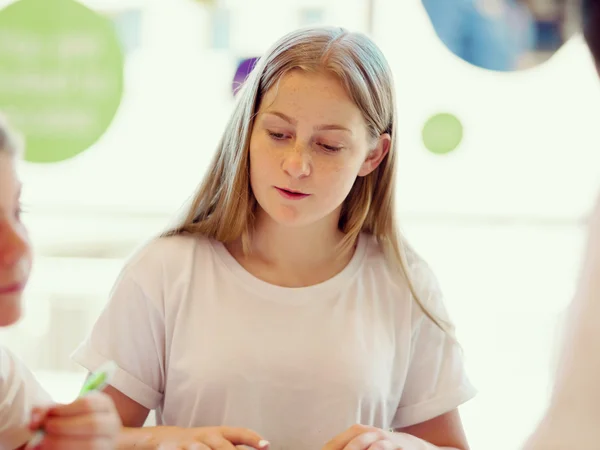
{"points": [[309, 143], [15, 249]]}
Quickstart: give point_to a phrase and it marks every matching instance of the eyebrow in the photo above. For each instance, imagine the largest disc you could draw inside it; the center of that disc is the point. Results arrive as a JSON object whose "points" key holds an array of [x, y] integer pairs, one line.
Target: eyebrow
{"points": [[292, 121]]}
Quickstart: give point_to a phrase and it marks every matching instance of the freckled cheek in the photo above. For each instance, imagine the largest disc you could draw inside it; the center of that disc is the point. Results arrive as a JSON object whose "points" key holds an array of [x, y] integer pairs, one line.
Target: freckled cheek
{"points": [[335, 166], [263, 158], [264, 168], [335, 177]]}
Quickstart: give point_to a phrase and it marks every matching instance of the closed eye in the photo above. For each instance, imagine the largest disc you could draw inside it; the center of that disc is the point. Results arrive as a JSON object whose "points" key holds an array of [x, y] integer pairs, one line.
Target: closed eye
{"points": [[331, 148], [282, 136], [277, 136]]}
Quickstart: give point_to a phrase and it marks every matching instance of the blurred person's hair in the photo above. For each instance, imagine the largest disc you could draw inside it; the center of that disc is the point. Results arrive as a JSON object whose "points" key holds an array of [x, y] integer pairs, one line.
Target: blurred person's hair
{"points": [[591, 27], [10, 141], [224, 205]]}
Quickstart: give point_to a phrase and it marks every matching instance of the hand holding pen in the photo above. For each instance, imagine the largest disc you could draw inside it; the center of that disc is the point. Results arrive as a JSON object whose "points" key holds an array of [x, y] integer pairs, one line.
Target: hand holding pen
{"points": [[90, 422]]}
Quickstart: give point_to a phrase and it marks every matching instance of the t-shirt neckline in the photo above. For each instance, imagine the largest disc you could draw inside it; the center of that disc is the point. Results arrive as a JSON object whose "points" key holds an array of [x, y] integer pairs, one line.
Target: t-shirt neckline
{"points": [[287, 294]]}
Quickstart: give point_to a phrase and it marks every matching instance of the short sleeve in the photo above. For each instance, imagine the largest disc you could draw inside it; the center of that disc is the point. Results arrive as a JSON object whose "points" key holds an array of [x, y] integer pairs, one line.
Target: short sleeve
{"points": [[436, 381], [19, 393], [130, 332]]}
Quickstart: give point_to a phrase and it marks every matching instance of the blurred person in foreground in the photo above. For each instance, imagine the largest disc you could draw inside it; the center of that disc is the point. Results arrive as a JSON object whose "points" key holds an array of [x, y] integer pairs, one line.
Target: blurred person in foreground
{"points": [[572, 420], [88, 423]]}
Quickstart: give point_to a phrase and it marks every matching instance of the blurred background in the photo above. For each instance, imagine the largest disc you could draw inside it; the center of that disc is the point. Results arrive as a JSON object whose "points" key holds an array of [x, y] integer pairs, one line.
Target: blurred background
{"points": [[499, 167], [505, 35]]}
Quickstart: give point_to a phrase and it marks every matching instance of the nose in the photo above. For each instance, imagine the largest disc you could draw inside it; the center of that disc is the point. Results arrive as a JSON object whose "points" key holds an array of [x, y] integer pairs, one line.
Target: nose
{"points": [[297, 162], [14, 246]]}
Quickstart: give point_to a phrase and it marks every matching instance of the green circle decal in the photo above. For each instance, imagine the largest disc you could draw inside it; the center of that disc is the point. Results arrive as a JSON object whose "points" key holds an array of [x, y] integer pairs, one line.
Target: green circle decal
{"points": [[442, 133], [61, 76]]}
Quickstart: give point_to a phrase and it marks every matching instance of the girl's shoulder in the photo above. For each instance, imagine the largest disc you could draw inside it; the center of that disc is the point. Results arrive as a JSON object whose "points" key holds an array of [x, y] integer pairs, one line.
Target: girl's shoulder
{"points": [[419, 271], [392, 284], [162, 252]]}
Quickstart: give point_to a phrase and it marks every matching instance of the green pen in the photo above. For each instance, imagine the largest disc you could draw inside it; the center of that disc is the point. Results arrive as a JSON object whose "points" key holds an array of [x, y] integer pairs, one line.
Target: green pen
{"points": [[97, 381]]}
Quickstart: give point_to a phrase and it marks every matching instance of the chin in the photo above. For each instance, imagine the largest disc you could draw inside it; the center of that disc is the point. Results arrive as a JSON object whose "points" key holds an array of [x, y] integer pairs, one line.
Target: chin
{"points": [[296, 221], [10, 309], [293, 218], [286, 215]]}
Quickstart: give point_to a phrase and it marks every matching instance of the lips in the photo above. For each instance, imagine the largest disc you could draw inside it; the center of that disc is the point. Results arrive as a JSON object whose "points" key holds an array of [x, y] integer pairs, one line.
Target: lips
{"points": [[291, 191], [11, 288], [291, 194]]}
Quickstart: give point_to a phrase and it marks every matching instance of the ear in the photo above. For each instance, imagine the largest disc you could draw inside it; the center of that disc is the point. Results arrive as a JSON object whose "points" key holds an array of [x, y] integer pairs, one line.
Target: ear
{"points": [[376, 155]]}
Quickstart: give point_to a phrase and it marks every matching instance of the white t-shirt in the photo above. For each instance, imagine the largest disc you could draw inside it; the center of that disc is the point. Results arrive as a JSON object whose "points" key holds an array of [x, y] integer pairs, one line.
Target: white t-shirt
{"points": [[205, 343], [19, 393]]}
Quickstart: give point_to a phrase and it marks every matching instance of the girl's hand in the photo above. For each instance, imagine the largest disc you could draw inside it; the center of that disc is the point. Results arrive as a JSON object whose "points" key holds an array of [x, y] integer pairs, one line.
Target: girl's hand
{"points": [[90, 422], [361, 437], [204, 438]]}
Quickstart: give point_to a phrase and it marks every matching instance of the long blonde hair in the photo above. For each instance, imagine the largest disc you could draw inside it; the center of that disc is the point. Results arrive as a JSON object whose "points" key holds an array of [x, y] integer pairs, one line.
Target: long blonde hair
{"points": [[224, 206]]}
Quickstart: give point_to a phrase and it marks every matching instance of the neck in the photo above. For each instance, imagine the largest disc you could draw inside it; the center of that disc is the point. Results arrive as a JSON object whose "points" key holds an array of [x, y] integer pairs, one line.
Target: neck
{"points": [[297, 247]]}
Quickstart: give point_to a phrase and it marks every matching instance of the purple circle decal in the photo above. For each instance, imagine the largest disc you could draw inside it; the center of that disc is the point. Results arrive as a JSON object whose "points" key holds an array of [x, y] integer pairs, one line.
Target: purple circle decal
{"points": [[242, 72]]}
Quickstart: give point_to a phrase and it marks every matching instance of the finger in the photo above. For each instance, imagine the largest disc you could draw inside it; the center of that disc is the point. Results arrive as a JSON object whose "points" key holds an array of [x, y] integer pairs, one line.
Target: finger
{"points": [[222, 444], [364, 441], [38, 416], [244, 436], [169, 446], [343, 439], [92, 403], [172, 446], [186, 446], [197, 446], [383, 445], [54, 443], [89, 425]]}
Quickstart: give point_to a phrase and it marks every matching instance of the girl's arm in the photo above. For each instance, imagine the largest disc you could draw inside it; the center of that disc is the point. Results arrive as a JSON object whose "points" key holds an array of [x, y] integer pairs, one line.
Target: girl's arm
{"points": [[445, 431]]}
